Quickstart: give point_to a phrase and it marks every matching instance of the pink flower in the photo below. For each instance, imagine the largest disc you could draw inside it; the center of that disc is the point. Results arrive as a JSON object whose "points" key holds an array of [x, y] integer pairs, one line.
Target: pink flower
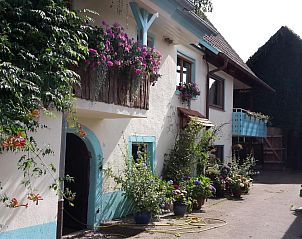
{"points": [[109, 63], [138, 71], [93, 51]]}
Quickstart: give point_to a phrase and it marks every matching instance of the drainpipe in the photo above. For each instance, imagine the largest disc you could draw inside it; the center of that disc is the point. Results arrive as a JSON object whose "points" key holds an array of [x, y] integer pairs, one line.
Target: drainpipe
{"points": [[61, 176], [221, 68]]}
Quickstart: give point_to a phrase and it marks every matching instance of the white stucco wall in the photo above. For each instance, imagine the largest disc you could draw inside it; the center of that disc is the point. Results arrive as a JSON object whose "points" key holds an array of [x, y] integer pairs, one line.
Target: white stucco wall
{"points": [[224, 117], [11, 177], [162, 117]]}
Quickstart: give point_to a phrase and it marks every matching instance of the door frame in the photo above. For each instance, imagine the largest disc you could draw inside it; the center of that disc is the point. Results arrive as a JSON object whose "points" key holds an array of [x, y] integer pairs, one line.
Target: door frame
{"points": [[95, 178]]}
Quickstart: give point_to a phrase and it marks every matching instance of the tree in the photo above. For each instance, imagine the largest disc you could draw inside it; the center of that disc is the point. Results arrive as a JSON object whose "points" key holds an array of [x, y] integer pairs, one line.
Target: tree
{"points": [[39, 42]]}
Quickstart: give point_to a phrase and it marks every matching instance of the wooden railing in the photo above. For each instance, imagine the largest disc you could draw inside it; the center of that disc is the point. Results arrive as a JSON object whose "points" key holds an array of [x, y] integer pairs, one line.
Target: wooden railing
{"points": [[119, 88]]}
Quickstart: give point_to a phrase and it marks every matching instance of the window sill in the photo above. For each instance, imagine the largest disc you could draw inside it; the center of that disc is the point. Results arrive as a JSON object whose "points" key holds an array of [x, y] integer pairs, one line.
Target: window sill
{"points": [[215, 107]]}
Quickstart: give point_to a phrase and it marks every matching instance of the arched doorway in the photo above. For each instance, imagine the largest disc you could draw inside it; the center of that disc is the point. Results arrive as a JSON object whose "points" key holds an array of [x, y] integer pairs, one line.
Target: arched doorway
{"points": [[77, 165]]}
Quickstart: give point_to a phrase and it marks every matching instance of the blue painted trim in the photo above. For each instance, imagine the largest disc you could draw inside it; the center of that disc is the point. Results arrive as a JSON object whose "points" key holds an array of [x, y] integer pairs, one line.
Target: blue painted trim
{"points": [[191, 59], [95, 187], [115, 205], [151, 141], [144, 20], [40, 231], [209, 47]]}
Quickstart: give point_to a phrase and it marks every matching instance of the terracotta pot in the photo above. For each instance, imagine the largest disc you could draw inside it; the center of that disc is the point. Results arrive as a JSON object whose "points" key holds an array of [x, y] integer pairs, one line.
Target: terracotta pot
{"points": [[199, 203]]}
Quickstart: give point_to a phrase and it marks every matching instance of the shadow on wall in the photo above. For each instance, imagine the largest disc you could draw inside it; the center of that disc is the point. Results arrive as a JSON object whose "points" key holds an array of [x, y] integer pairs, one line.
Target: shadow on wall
{"points": [[114, 205], [169, 131], [109, 131]]}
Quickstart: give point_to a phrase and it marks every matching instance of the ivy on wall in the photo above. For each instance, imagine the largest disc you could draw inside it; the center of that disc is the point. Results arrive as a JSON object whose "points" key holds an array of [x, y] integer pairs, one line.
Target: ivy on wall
{"points": [[39, 41]]}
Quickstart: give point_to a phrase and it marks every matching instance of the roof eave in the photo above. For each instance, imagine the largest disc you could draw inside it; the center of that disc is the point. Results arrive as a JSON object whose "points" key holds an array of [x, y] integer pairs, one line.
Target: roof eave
{"points": [[182, 12], [253, 77]]}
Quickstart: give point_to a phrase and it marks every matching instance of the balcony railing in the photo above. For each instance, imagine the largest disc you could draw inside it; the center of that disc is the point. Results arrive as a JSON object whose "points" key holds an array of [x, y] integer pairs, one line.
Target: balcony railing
{"points": [[246, 124], [119, 88]]}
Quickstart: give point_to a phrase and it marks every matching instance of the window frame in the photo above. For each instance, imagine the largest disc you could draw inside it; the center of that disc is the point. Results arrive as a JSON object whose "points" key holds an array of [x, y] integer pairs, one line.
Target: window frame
{"points": [[221, 81], [192, 68], [221, 146], [150, 141]]}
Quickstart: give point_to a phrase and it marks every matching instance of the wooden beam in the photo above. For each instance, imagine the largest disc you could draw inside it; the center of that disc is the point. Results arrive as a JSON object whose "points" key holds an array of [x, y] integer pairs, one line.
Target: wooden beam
{"points": [[144, 20]]}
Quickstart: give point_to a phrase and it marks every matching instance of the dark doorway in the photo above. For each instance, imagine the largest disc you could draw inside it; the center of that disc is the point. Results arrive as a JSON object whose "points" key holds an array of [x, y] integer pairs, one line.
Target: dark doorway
{"points": [[76, 165]]}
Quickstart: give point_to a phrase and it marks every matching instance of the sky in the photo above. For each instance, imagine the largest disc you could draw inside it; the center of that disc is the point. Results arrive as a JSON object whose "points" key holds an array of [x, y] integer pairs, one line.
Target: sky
{"points": [[248, 24]]}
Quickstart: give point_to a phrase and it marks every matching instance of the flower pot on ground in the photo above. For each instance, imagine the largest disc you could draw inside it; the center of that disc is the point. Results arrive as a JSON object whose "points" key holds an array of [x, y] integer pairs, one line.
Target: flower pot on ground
{"points": [[140, 186], [181, 202], [198, 203], [199, 189], [180, 209], [142, 217]]}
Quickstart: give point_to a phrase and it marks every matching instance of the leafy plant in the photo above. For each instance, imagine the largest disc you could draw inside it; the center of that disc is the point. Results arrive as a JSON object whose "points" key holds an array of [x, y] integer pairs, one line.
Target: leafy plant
{"points": [[190, 153], [140, 186], [200, 187], [39, 42]]}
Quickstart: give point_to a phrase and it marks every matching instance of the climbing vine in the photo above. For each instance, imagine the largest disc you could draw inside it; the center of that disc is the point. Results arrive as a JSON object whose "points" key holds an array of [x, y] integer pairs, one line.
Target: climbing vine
{"points": [[191, 151], [39, 42]]}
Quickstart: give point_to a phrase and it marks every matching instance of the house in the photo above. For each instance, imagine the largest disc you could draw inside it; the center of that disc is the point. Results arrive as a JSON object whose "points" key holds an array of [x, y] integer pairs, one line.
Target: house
{"points": [[228, 74], [278, 63], [117, 119]]}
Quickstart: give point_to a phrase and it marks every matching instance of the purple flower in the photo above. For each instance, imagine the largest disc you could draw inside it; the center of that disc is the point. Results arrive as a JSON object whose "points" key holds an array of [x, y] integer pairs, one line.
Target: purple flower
{"points": [[93, 51], [109, 63], [213, 189], [197, 182], [87, 62], [118, 63], [104, 23], [138, 71]]}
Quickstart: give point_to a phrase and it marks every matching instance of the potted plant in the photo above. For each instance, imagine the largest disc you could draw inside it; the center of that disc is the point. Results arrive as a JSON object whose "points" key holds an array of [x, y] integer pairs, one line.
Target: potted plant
{"points": [[167, 201], [199, 189], [187, 92], [235, 185], [141, 187], [182, 202]]}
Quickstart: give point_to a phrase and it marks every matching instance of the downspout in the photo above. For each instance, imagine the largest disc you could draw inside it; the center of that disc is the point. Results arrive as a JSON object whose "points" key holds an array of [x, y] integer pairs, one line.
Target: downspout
{"points": [[221, 68], [61, 176]]}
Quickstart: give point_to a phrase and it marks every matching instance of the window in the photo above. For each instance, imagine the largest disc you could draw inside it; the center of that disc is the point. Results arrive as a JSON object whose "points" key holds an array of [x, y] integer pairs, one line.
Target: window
{"points": [[218, 152], [139, 150], [143, 146], [216, 92], [184, 70]]}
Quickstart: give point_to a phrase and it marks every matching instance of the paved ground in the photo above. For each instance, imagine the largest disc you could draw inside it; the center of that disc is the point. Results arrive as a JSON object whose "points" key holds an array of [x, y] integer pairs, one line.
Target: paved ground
{"points": [[263, 214]]}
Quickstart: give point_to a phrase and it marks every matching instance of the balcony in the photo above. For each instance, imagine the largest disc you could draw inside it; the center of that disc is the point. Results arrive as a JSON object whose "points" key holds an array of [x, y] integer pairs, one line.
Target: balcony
{"points": [[246, 123], [118, 89], [120, 95]]}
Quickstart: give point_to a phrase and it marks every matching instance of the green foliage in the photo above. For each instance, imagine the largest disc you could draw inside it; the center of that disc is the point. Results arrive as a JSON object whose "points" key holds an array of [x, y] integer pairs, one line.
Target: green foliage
{"points": [[40, 41], [140, 185], [246, 168], [199, 187], [190, 153]]}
